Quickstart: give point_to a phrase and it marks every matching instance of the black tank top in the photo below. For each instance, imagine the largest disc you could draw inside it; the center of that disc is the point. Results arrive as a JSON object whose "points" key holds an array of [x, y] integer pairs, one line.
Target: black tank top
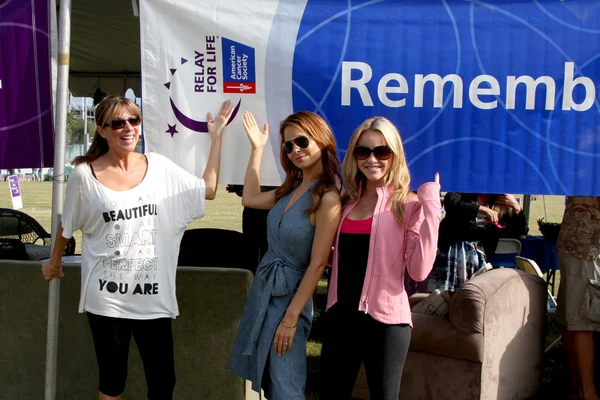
{"points": [[353, 256]]}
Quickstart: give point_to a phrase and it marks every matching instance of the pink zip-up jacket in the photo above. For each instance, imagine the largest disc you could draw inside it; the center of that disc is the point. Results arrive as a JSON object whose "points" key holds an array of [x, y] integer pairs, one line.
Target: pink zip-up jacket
{"points": [[394, 248]]}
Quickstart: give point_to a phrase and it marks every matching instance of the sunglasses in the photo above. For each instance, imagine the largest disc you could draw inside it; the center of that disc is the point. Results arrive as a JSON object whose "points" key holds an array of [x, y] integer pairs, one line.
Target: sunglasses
{"points": [[119, 123], [300, 141], [380, 152]]}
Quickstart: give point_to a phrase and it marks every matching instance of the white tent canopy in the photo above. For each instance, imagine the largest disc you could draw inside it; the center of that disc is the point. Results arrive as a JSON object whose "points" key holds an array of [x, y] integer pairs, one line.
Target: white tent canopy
{"points": [[105, 47]]}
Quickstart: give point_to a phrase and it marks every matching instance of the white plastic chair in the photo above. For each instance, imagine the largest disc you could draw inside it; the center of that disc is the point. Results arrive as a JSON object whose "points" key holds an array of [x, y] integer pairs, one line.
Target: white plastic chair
{"points": [[531, 267], [506, 251], [506, 245]]}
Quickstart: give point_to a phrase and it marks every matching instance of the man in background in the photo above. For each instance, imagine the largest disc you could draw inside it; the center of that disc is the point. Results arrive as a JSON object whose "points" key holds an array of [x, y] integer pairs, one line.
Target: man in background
{"points": [[578, 248]]}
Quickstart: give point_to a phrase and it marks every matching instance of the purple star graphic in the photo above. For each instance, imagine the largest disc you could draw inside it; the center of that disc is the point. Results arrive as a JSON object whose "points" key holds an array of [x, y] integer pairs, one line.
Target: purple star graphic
{"points": [[172, 130]]}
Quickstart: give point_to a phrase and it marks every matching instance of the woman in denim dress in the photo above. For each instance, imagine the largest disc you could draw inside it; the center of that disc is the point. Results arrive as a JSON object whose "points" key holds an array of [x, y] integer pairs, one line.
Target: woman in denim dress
{"points": [[270, 348]]}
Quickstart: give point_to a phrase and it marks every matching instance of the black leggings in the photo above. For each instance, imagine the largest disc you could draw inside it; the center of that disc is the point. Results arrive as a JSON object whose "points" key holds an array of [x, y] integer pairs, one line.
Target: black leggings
{"points": [[353, 337], [154, 340]]}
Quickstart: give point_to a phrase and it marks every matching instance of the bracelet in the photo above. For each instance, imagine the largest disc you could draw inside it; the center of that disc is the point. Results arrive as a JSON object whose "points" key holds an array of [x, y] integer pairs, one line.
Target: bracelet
{"points": [[288, 326]]}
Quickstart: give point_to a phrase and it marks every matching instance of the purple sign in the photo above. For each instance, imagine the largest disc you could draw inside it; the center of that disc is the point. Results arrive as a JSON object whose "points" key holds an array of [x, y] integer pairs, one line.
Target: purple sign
{"points": [[26, 128], [13, 183]]}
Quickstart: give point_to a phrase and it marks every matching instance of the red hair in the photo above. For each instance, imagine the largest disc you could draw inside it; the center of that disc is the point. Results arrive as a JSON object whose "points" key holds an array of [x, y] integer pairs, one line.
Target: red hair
{"points": [[318, 130]]}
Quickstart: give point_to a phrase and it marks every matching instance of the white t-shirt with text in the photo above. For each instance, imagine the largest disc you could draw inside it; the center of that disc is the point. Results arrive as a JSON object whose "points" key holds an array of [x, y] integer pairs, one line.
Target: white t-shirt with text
{"points": [[130, 239]]}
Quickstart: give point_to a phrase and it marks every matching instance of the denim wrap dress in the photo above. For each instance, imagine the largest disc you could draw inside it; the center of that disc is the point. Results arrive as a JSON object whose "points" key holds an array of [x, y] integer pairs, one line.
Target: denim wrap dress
{"points": [[290, 236]]}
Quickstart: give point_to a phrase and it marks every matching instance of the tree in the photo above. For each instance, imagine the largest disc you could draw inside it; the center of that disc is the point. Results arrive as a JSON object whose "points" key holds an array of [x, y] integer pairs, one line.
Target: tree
{"points": [[75, 129]]}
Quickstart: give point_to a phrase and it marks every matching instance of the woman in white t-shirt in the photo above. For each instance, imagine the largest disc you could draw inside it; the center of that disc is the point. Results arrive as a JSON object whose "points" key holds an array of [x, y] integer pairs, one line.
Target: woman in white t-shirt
{"points": [[132, 210]]}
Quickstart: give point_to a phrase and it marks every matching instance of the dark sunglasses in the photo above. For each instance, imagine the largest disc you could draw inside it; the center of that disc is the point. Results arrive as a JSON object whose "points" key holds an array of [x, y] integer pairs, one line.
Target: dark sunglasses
{"points": [[380, 152], [300, 141], [119, 123]]}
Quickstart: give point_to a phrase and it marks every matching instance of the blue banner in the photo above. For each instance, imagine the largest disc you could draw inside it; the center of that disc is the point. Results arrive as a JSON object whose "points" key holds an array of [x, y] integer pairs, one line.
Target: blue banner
{"points": [[238, 68], [498, 96]]}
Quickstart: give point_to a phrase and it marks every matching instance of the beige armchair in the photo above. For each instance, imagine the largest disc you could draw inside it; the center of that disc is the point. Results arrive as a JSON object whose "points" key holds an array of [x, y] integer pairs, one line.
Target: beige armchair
{"points": [[489, 346]]}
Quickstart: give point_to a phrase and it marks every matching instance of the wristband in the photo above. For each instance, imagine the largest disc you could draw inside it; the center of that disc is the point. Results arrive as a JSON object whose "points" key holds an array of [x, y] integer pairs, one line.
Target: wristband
{"points": [[288, 326]]}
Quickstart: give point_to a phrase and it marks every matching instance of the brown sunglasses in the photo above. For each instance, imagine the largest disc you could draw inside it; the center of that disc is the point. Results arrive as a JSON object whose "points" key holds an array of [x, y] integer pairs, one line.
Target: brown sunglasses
{"points": [[119, 123]]}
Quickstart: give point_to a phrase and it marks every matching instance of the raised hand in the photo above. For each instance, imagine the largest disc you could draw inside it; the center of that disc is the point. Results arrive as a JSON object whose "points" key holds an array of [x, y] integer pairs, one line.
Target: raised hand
{"points": [[216, 126], [436, 178], [257, 138], [510, 201]]}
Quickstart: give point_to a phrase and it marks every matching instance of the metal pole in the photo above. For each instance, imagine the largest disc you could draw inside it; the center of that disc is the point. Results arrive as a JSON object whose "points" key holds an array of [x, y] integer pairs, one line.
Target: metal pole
{"points": [[526, 205], [86, 139], [60, 138]]}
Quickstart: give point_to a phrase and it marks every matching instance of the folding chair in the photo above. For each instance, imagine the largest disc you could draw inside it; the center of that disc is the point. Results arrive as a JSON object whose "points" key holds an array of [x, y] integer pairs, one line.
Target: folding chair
{"points": [[531, 267], [506, 252]]}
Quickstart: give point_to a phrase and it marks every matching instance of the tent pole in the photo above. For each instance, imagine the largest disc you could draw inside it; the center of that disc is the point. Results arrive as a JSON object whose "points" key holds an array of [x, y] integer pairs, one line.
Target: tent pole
{"points": [[60, 134], [85, 122], [526, 205]]}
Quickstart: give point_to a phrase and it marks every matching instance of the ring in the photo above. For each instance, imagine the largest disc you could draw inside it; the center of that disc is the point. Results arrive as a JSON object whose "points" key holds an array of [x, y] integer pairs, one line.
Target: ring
{"points": [[286, 343]]}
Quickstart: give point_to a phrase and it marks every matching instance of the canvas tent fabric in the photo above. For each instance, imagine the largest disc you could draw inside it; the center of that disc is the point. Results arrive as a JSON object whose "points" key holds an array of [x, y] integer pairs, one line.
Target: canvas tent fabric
{"points": [[105, 47]]}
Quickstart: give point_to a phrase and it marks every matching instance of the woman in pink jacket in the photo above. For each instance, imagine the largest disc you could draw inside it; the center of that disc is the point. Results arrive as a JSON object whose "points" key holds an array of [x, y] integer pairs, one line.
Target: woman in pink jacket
{"points": [[385, 231]]}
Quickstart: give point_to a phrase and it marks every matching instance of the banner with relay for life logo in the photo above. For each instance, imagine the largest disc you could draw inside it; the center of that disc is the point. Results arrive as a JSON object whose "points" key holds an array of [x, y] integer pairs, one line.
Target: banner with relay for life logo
{"points": [[498, 96]]}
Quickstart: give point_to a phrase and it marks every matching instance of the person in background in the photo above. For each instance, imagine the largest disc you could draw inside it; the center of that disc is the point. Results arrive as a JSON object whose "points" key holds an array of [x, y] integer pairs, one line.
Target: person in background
{"points": [[578, 248], [473, 225], [270, 347], [386, 231], [483, 218], [115, 193]]}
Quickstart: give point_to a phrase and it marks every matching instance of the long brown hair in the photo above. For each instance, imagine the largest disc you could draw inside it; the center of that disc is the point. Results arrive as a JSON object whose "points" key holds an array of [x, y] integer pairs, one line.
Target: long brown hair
{"points": [[398, 176], [318, 130], [104, 112]]}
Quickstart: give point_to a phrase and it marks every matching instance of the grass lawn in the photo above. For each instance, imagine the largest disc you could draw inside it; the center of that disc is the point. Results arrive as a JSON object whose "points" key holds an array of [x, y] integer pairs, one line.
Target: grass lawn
{"points": [[223, 212], [226, 212]]}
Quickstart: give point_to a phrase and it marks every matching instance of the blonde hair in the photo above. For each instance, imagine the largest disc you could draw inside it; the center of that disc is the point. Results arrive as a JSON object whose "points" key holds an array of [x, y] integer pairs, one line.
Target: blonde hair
{"points": [[398, 176], [502, 210]]}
